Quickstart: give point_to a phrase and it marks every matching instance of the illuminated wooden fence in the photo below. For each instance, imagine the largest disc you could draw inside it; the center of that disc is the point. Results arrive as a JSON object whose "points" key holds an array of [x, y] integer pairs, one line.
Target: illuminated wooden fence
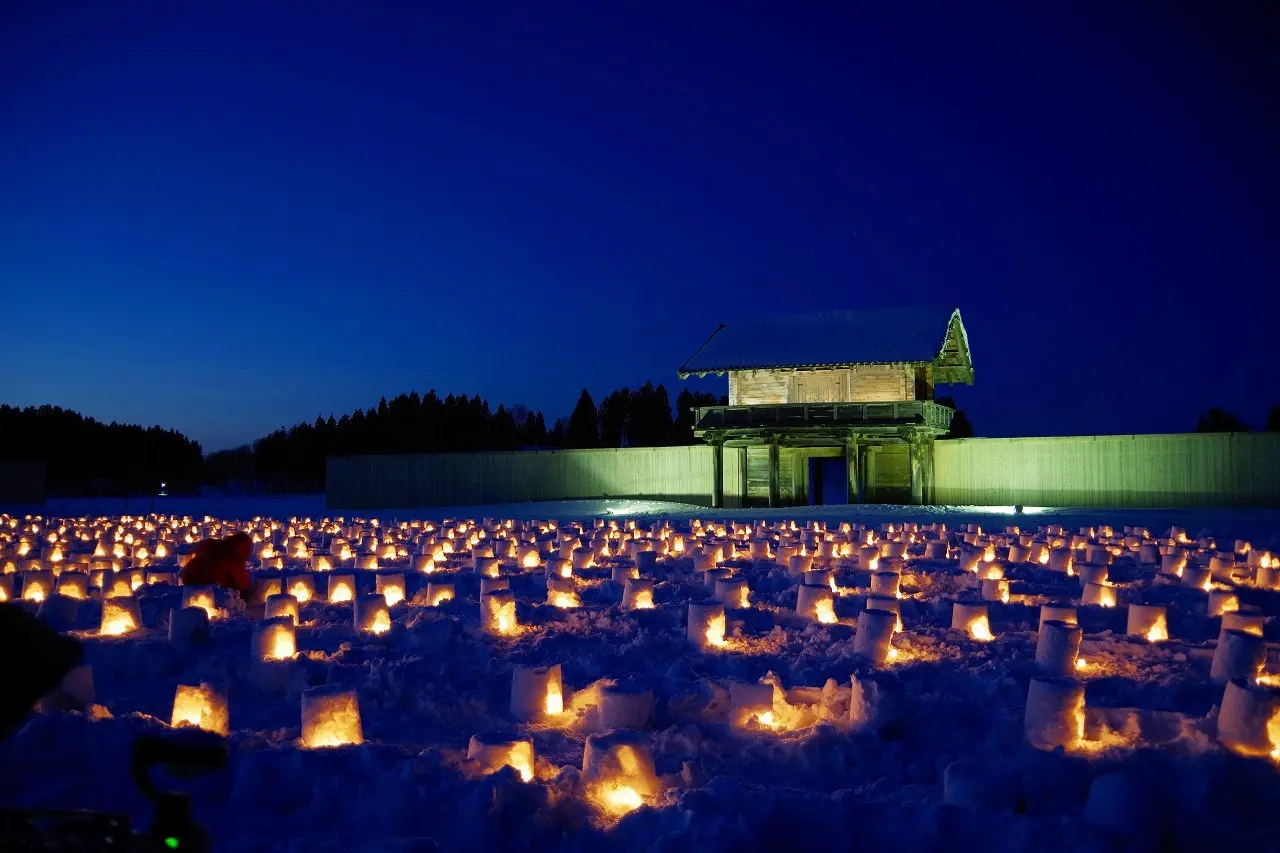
{"points": [[1179, 470], [680, 474]]}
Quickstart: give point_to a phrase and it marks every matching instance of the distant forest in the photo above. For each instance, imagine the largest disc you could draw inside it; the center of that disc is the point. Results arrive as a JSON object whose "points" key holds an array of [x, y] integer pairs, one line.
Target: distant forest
{"points": [[84, 456]]}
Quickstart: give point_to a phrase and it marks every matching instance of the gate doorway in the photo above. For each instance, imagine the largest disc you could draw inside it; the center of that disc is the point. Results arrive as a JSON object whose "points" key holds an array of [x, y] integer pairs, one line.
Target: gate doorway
{"points": [[828, 481]]}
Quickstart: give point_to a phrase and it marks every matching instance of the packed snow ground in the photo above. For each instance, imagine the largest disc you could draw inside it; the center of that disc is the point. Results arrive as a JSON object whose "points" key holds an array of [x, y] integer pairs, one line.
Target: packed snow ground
{"points": [[853, 752]]}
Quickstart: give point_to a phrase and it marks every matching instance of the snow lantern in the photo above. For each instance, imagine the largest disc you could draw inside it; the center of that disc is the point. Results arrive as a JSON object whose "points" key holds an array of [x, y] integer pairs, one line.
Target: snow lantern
{"points": [[646, 561], [423, 563], [367, 562], [1061, 560], [1092, 573], [322, 562], [1058, 647], [625, 705], [734, 592], [798, 564], [1149, 621], [820, 577], [995, 589], [1055, 713], [490, 753], [73, 585], [164, 577], [59, 611], [1249, 718], [881, 602], [281, 605], [6, 587], [529, 557], [391, 586], [117, 585], [750, 704], [120, 616], [330, 718], [1197, 576], [275, 639], [498, 612], [1101, 594], [537, 693], [188, 626], [1238, 654], [706, 624], [1173, 563], [562, 593], [874, 639], [342, 587], [1250, 621], [622, 574], [582, 558], [1222, 601], [815, 603], [970, 617], [487, 567], [885, 584], [439, 592], [302, 587], [202, 706], [618, 772], [488, 585], [637, 594], [37, 585], [1058, 613], [371, 614], [204, 597]]}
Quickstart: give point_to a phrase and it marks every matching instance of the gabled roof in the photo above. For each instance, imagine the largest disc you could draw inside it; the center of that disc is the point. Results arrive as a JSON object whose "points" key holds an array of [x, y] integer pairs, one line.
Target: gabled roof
{"points": [[840, 339]]}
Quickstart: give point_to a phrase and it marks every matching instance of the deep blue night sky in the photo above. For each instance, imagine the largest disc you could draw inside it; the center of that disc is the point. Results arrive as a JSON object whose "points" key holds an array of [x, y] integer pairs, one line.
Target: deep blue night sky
{"points": [[226, 217]]}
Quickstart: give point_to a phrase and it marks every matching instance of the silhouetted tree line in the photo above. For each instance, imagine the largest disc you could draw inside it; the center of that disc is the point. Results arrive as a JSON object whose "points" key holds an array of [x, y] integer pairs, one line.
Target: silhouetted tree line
{"points": [[293, 459], [1218, 419], [83, 456]]}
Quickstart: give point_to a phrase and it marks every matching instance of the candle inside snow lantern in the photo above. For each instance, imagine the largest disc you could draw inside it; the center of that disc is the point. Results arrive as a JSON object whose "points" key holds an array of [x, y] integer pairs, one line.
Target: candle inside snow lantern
{"points": [[492, 752], [330, 718], [995, 589], [637, 594], [424, 563], [970, 617], [392, 587], [498, 612], [1055, 713], [1249, 718], [117, 585], [1092, 573], [885, 584], [1238, 654], [202, 706], [734, 592], [342, 587], [275, 638], [204, 597], [1197, 576], [618, 771], [706, 624], [371, 614], [1149, 621], [1061, 560], [37, 585], [529, 557], [537, 693], [120, 616]]}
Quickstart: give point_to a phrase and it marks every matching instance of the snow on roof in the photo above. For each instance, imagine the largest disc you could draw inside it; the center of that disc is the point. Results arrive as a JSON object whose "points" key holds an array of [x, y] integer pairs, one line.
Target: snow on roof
{"points": [[826, 339]]}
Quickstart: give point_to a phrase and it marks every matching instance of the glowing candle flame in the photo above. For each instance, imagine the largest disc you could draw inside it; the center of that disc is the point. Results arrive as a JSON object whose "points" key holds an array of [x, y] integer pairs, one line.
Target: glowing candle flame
{"points": [[564, 599], [1080, 663], [381, 623], [643, 600], [825, 612], [340, 592], [507, 618], [981, 630], [620, 799], [283, 645], [118, 624], [393, 594], [300, 591], [531, 560], [554, 703], [33, 593], [715, 630], [1157, 633]]}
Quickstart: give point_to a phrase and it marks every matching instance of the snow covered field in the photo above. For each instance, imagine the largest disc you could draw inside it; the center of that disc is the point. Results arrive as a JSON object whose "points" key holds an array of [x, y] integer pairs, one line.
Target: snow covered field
{"points": [[847, 743]]}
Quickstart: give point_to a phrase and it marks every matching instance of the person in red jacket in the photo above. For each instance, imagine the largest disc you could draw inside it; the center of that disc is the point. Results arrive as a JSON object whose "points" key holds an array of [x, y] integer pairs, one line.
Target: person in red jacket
{"points": [[221, 562]]}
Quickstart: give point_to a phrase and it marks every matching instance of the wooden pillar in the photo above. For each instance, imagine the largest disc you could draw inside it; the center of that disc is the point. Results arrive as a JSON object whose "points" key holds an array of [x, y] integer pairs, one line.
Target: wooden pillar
{"points": [[774, 498], [913, 457], [928, 471], [851, 465], [869, 474], [717, 474]]}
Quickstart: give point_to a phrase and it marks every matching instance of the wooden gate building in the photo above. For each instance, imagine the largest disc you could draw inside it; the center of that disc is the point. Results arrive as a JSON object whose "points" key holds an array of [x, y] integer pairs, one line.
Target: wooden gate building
{"points": [[855, 386]]}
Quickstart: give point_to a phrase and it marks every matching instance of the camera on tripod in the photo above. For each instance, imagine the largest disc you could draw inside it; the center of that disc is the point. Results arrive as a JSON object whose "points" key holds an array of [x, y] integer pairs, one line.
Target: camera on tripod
{"points": [[47, 657]]}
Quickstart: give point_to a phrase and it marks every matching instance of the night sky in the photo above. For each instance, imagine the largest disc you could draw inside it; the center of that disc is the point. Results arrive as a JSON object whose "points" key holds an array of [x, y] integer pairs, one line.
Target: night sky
{"points": [[230, 216]]}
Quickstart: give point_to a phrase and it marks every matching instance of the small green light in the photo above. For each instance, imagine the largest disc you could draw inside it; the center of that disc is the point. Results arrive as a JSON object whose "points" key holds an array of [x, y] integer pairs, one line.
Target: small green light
{"points": [[171, 843]]}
